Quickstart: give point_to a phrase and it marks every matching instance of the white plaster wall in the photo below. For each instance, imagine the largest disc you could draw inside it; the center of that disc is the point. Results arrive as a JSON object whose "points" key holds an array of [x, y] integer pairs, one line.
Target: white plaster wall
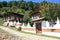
{"points": [[17, 25], [45, 24], [11, 24]]}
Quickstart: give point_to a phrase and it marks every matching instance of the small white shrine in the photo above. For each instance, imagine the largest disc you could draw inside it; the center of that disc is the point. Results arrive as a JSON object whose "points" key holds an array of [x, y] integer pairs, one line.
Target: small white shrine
{"points": [[34, 25], [18, 25], [47, 24], [28, 25], [23, 25], [57, 24]]}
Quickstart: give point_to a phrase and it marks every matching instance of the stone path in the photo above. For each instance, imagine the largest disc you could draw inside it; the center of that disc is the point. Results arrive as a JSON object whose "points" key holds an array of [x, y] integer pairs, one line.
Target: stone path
{"points": [[24, 36]]}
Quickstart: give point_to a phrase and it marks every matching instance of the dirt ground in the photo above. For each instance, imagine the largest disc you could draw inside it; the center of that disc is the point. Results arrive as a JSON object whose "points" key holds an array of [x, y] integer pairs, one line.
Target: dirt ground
{"points": [[6, 36], [22, 36]]}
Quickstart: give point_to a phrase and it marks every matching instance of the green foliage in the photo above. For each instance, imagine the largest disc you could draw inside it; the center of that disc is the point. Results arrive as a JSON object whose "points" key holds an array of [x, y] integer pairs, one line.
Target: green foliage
{"points": [[16, 6], [1, 21], [26, 18], [49, 10]]}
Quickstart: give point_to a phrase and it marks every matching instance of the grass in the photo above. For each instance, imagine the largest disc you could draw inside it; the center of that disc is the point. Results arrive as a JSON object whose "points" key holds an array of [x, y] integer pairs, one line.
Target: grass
{"points": [[7, 35], [1, 21], [50, 36], [21, 31], [12, 28], [34, 33], [2, 31]]}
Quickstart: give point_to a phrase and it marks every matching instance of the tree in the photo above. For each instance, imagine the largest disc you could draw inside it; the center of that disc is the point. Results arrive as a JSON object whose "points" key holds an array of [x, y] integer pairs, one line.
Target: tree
{"points": [[1, 5], [26, 17], [4, 4], [48, 10]]}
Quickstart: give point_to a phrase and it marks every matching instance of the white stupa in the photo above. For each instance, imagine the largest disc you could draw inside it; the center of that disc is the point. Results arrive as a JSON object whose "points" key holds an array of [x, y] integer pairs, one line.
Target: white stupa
{"points": [[34, 25], [28, 25], [47, 24], [57, 25], [23, 25], [17, 25]]}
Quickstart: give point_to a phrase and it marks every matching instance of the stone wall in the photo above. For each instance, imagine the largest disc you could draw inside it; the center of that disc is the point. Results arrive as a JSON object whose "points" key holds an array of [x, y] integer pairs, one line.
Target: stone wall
{"points": [[33, 29], [50, 30]]}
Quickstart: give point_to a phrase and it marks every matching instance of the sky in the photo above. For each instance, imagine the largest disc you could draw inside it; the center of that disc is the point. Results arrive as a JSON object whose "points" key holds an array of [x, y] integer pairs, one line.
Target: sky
{"points": [[54, 1]]}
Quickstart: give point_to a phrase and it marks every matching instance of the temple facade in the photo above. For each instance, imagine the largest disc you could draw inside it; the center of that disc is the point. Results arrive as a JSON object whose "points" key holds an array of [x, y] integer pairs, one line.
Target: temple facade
{"points": [[10, 19], [42, 25]]}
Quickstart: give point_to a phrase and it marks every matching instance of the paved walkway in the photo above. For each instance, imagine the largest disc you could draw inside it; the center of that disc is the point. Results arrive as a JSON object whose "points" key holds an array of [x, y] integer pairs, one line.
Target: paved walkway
{"points": [[24, 36]]}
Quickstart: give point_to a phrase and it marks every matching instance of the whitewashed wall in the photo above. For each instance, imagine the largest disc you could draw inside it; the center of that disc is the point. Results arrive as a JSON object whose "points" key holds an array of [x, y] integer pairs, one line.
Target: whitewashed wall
{"points": [[46, 24]]}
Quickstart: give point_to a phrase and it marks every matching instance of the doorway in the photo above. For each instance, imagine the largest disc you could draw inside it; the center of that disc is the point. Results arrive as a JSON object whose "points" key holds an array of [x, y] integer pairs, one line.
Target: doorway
{"points": [[38, 28]]}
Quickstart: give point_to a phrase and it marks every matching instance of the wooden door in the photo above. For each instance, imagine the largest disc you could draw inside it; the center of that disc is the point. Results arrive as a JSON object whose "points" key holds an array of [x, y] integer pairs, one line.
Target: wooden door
{"points": [[38, 28]]}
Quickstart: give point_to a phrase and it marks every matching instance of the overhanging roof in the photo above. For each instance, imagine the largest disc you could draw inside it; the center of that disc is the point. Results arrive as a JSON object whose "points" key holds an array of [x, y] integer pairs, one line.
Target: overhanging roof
{"points": [[38, 19], [12, 13]]}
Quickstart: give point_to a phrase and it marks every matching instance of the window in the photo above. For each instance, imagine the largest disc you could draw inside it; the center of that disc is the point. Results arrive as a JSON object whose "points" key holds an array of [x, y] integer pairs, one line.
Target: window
{"points": [[35, 16]]}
